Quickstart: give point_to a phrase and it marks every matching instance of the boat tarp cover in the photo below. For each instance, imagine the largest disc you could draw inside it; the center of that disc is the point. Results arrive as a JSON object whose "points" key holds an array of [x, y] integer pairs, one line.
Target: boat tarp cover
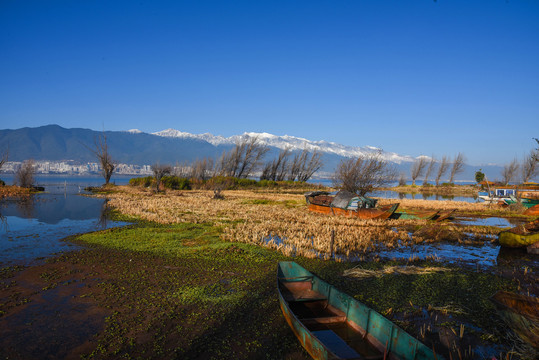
{"points": [[350, 201]]}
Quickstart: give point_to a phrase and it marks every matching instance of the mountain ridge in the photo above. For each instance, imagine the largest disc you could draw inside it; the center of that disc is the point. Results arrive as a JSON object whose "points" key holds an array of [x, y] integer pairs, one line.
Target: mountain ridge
{"points": [[55, 143]]}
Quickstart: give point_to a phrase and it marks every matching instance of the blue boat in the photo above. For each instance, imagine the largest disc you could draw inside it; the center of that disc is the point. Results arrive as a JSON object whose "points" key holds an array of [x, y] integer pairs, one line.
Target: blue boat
{"points": [[332, 325]]}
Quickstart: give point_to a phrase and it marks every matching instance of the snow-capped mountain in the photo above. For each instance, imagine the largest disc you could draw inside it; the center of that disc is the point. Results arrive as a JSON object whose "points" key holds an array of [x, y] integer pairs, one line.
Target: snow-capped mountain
{"points": [[286, 141]]}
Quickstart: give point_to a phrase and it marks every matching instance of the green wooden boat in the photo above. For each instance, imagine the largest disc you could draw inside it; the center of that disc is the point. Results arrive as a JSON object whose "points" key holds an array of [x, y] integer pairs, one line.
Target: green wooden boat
{"points": [[519, 236], [521, 313], [527, 203], [332, 325]]}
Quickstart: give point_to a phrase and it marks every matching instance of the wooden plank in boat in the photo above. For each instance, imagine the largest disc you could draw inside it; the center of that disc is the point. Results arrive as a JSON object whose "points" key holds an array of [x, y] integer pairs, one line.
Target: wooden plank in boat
{"points": [[336, 344]]}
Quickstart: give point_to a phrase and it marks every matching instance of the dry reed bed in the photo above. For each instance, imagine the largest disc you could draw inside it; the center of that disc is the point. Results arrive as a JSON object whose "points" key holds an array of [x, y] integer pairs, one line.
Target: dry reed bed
{"points": [[279, 221]]}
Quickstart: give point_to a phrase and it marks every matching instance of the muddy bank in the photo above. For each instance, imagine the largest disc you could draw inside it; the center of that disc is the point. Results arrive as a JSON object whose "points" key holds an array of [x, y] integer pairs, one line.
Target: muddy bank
{"points": [[178, 291]]}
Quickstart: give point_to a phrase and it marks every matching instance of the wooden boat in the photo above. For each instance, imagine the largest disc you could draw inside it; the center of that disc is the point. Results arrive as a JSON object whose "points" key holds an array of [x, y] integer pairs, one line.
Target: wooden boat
{"points": [[434, 215], [415, 214], [527, 203], [522, 235], [533, 211], [444, 214], [332, 325], [521, 313], [348, 204]]}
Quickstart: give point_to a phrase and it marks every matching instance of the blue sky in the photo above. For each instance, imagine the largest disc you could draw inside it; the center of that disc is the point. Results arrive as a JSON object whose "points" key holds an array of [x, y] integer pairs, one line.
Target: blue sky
{"points": [[413, 77]]}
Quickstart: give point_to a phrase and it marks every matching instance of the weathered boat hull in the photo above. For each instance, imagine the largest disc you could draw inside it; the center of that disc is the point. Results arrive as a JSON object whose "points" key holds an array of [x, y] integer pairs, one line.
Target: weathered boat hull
{"points": [[519, 236], [444, 214], [527, 203], [521, 313], [332, 325], [380, 212], [533, 211], [413, 214]]}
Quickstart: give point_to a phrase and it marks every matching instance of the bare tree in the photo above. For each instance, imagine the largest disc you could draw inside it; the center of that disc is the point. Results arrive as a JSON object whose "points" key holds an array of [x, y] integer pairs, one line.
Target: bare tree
{"points": [[364, 173], [302, 167], [277, 168], [244, 158], [530, 167], [536, 154], [509, 171], [101, 151], [442, 169], [430, 169], [457, 166], [4, 158], [309, 166], [159, 171], [402, 179], [24, 176], [417, 168], [202, 169]]}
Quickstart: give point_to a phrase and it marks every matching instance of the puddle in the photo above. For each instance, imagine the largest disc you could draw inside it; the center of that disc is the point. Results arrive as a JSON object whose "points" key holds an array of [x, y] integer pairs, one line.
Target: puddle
{"points": [[33, 228], [484, 255]]}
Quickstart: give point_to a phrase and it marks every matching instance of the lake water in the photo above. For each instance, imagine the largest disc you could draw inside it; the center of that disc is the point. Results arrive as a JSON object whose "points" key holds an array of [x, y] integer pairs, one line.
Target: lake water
{"points": [[33, 228]]}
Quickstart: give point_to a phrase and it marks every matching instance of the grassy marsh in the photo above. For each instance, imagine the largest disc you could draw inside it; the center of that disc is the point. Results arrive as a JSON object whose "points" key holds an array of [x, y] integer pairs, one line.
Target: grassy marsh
{"points": [[189, 280]]}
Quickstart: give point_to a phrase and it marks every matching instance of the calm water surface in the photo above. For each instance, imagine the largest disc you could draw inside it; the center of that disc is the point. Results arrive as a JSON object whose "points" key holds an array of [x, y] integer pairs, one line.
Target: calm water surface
{"points": [[33, 228]]}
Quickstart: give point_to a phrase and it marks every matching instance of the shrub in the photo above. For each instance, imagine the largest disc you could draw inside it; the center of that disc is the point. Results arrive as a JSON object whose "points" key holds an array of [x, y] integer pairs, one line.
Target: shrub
{"points": [[268, 183], [141, 181], [24, 176], [176, 183]]}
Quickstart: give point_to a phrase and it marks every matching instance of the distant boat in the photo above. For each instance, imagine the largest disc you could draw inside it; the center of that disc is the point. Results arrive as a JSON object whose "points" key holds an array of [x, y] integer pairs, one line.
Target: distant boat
{"points": [[347, 204], [519, 236], [521, 313], [332, 325], [496, 195], [500, 193]]}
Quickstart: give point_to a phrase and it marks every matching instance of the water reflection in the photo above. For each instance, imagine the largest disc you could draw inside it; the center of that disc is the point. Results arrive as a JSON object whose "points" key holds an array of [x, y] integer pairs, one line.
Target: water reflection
{"points": [[389, 194], [33, 227]]}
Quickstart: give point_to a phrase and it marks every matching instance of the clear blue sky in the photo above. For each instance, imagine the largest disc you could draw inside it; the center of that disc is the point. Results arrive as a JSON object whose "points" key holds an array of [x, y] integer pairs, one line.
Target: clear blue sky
{"points": [[413, 77]]}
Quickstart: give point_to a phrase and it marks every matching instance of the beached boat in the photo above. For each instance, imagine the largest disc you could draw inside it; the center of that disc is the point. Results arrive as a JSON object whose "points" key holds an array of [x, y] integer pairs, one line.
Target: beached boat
{"points": [[434, 215], [415, 214], [521, 313], [527, 203], [332, 325], [533, 211], [347, 204], [522, 235], [445, 214]]}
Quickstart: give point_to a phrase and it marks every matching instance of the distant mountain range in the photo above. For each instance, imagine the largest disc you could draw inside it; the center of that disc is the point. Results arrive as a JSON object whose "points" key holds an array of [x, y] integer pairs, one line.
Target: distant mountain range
{"points": [[54, 143]]}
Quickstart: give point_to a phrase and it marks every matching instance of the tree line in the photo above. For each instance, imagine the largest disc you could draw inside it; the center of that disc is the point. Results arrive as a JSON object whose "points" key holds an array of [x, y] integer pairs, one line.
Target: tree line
{"points": [[427, 167]]}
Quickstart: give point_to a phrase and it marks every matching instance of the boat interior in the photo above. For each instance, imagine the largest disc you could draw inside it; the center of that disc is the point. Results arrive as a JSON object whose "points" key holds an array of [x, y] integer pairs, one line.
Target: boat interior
{"points": [[326, 322]]}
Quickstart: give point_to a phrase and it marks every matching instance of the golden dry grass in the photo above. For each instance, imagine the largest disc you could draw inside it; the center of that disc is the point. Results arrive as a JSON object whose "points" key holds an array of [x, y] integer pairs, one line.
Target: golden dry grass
{"points": [[360, 273], [278, 221], [13, 191]]}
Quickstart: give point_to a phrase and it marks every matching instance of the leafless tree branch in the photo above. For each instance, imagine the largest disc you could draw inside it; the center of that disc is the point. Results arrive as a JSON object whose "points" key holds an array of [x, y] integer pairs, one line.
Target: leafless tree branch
{"points": [[417, 168], [530, 167], [159, 171], [442, 169], [457, 166], [509, 171], [430, 169], [364, 173]]}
